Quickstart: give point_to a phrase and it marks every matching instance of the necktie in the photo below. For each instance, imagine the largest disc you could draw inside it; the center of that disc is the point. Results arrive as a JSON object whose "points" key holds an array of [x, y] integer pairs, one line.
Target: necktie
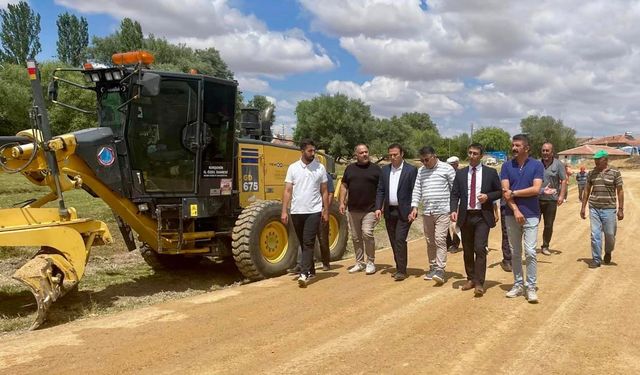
{"points": [[472, 191]]}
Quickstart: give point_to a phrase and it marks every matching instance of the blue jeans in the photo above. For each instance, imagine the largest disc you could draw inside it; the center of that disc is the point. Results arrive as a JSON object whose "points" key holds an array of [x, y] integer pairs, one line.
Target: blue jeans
{"points": [[602, 220], [527, 234]]}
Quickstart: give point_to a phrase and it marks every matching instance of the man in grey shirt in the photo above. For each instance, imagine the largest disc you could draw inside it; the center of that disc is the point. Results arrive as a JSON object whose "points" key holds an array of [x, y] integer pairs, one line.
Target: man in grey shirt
{"points": [[555, 178]]}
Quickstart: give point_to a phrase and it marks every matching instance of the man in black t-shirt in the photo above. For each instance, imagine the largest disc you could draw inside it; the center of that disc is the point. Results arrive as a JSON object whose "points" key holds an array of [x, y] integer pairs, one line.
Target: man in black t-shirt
{"points": [[360, 183]]}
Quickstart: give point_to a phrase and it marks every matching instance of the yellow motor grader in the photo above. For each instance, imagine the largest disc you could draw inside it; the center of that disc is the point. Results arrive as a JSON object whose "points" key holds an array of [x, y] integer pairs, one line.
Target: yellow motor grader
{"points": [[167, 157]]}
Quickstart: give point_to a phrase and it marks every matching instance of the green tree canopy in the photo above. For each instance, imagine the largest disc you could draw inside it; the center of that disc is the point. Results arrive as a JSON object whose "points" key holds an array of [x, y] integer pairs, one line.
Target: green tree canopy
{"points": [[130, 35], [15, 89], [19, 31], [493, 138], [73, 38], [541, 129], [336, 122]]}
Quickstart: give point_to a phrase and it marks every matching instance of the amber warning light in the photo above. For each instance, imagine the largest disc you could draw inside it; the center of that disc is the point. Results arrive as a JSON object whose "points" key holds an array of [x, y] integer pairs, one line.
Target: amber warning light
{"points": [[31, 68], [132, 58]]}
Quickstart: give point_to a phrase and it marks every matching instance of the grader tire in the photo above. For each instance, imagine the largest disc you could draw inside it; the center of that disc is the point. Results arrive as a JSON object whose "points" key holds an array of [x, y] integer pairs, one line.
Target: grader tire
{"points": [[262, 246], [338, 233], [167, 262]]}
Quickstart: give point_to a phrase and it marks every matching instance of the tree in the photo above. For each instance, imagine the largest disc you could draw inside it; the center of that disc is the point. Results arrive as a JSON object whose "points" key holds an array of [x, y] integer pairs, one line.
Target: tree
{"points": [[493, 138], [417, 120], [541, 129], [336, 122], [73, 38], [19, 33], [261, 103], [15, 89], [130, 35]]}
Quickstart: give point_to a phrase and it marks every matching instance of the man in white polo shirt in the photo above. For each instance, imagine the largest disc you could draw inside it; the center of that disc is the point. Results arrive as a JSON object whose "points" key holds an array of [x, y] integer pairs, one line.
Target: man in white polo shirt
{"points": [[306, 190]]}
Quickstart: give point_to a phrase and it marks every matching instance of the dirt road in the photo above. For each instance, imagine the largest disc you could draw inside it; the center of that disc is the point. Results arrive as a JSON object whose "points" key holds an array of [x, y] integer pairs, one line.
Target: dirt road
{"points": [[587, 321]]}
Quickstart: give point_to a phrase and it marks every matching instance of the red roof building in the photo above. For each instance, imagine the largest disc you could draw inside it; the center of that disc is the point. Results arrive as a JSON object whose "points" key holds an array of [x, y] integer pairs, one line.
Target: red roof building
{"points": [[579, 154], [623, 140]]}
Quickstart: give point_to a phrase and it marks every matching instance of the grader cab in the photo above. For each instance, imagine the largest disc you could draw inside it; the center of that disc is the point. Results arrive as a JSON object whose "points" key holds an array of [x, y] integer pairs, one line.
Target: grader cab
{"points": [[182, 180]]}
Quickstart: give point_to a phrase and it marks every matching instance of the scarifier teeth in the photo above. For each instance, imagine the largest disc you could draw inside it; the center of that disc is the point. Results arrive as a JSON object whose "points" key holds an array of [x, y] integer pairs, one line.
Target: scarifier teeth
{"points": [[37, 275]]}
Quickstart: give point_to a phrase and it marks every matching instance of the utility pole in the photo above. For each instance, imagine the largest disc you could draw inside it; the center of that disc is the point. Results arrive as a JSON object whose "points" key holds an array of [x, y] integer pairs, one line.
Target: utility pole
{"points": [[472, 132]]}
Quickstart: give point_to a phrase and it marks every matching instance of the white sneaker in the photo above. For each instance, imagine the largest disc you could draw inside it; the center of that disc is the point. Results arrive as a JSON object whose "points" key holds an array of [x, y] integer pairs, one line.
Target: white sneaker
{"points": [[516, 291], [357, 268], [302, 281], [532, 296], [371, 268]]}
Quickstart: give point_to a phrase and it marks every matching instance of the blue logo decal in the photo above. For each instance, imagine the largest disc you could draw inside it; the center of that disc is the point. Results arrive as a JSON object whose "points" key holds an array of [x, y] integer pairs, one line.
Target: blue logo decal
{"points": [[106, 156]]}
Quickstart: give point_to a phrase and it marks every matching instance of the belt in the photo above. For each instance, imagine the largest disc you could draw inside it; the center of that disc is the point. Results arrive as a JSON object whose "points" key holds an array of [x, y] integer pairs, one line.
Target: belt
{"points": [[474, 212]]}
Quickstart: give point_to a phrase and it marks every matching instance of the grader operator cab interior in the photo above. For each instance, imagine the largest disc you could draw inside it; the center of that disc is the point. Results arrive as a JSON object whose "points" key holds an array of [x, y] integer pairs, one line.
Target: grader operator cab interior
{"points": [[182, 179]]}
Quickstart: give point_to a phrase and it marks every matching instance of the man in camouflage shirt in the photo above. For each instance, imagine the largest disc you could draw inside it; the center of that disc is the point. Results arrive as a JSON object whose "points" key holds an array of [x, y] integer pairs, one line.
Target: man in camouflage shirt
{"points": [[604, 184]]}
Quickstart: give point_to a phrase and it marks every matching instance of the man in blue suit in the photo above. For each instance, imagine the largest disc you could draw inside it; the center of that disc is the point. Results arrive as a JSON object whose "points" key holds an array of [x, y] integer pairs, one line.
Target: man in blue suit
{"points": [[475, 188], [394, 199]]}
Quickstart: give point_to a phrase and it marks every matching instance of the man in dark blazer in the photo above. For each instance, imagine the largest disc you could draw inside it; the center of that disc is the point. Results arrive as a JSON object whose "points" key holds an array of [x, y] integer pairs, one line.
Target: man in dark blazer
{"points": [[394, 199], [475, 188]]}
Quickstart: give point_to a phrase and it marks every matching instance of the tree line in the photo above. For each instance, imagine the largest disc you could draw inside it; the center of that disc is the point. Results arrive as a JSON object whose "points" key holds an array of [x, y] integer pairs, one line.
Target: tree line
{"points": [[336, 122]]}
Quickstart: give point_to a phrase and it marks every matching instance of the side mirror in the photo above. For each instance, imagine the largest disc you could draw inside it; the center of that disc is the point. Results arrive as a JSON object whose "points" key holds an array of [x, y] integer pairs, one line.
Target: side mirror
{"points": [[150, 83], [52, 90]]}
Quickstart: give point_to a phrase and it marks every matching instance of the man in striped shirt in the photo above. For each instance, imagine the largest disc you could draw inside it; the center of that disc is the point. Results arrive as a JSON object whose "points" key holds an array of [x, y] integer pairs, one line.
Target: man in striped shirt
{"points": [[604, 185], [432, 189]]}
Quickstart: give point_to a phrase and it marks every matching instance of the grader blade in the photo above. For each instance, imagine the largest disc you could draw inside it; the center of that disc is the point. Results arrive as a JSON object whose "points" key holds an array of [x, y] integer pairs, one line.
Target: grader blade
{"points": [[64, 249]]}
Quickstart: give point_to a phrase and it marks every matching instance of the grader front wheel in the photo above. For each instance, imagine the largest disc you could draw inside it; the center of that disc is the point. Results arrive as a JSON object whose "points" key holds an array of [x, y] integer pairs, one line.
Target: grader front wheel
{"points": [[262, 246]]}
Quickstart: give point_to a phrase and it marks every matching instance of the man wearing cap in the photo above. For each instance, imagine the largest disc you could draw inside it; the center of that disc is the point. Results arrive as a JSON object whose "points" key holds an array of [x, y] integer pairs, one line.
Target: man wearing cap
{"points": [[581, 180], [604, 184], [554, 178], [453, 235]]}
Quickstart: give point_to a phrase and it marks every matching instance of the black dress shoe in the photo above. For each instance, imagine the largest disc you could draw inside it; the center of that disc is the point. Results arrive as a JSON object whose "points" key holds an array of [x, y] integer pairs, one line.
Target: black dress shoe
{"points": [[399, 276], [607, 258], [594, 264], [479, 291]]}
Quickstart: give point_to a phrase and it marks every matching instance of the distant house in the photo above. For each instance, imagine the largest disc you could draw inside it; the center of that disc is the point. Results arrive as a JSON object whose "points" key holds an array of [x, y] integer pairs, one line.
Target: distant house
{"points": [[618, 141], [582, 153]]}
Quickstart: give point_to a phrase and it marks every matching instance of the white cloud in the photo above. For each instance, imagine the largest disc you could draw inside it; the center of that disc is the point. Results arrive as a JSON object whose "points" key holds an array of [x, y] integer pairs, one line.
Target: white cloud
{"points": [[576, 60], [252, 84], [4, 3], [244, 41], [388, 96]]}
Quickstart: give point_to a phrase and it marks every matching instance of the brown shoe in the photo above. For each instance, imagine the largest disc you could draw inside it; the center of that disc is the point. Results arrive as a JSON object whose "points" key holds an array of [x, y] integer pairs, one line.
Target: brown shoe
{"points": [[468, 285], [479, 292]]}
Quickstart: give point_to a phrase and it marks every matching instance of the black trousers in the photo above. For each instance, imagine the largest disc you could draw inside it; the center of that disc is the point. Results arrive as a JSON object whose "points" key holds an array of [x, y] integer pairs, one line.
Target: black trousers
{"points": [[548, 210], [475, 237], [506, 249], [455, 241], [398, 230], [323, 239], [306, 226]]}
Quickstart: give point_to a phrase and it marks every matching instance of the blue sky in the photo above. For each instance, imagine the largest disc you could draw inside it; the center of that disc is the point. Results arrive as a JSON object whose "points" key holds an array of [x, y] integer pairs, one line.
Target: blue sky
{"points": [[490, 63]]}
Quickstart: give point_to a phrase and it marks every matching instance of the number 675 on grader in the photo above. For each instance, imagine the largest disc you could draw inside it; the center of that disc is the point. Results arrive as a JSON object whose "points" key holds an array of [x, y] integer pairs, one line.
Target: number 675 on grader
{"points": [[167, 158]]}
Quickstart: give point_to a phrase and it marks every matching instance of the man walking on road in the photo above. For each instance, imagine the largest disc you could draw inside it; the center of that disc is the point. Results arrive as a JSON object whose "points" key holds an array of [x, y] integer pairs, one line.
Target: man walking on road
{"points": [[394, 200], [554, 178], [521, 183], [433, 190], [581, 180], [603, 184], [323, 238], [360, 183], [475, 189], [306, 190]]}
